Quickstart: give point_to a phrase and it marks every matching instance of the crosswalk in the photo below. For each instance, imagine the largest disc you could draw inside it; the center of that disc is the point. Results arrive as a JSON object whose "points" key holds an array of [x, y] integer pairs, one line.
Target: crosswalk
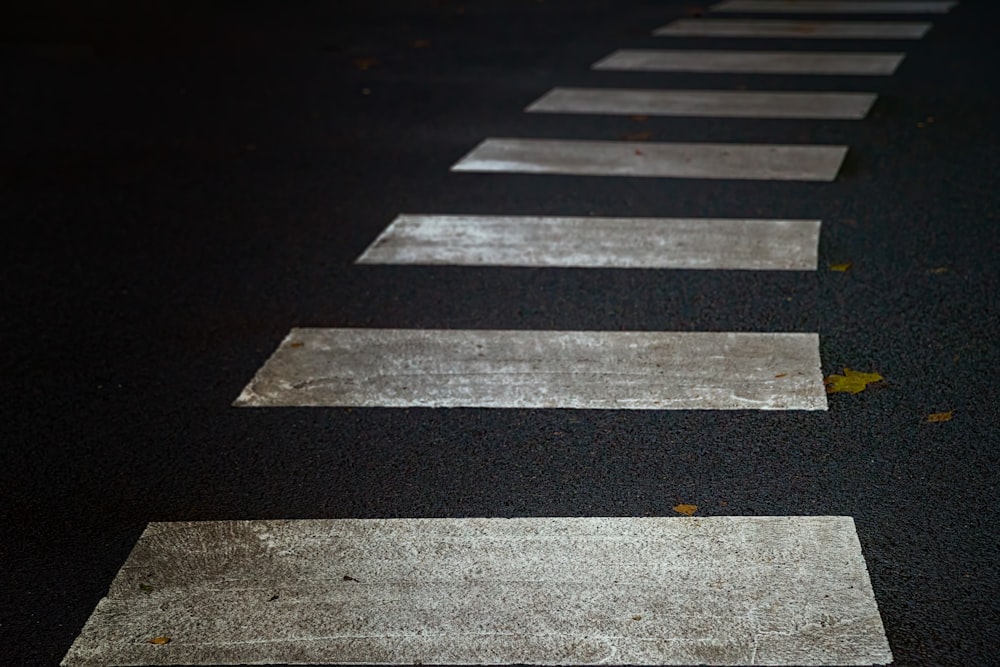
{"points": [[686, 590]]}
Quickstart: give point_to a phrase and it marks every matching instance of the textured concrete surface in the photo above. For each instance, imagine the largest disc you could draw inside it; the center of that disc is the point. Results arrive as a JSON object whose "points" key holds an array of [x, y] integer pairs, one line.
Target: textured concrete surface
{"points": [[571, 591], [770, 28], [705, 103], [660, 160], [751, 62], [541, 369], [653, 243]]}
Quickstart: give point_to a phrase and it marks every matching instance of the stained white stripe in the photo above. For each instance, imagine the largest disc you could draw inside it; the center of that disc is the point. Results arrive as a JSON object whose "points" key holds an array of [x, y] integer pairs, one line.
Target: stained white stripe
{"points": [[541, 369], [793, 29], [573, 591], [833, 7], [710, 103], [752, 62], [650, 243], [667, 160]]}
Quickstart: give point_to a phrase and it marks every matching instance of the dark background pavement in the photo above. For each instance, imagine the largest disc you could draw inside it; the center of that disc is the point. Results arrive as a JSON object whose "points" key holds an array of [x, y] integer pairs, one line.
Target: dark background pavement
{"points": [[182, 182]]}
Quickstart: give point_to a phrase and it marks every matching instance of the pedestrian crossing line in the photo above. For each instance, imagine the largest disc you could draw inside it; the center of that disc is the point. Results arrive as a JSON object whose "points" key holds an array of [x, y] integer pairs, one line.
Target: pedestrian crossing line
{"points": [[833, 6], [705, 103], [623, 243], [752, 62], [793, 29], [770, 162], [597, 370], [724, 590]]}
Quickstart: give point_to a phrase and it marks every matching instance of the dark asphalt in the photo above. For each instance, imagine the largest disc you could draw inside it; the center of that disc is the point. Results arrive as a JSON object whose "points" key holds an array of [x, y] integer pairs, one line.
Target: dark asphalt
{"points": [[180, 185]]}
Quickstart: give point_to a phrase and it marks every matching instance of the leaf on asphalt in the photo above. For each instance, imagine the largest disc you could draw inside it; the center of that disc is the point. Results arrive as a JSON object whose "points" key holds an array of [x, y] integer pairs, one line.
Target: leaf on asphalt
{"points": [[851, 382], [939, 270], [349, 578], [296, 344], [365, 63], [686, 510], [160, 641], [940, 417], [146, 588], [841, 267], [638, 136]]}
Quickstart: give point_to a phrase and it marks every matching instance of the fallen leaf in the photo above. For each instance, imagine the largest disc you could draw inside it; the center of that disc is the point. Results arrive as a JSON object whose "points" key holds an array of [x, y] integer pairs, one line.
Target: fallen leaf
{"points": [[781, 375], [638, 152], [686, 510], [296, 344], [940, 417], [841, 267], [637, 618], [638, 136], [365, 63], [851, 382], [160, 641], [146, 588], [347, 578], [939, 270]]}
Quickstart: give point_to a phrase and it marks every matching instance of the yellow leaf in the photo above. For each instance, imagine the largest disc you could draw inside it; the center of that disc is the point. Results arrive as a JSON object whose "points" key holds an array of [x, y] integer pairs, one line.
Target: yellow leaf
{"points": [[840, 267], [940, 417], [686, 510], [160, 641], [851, 382]]}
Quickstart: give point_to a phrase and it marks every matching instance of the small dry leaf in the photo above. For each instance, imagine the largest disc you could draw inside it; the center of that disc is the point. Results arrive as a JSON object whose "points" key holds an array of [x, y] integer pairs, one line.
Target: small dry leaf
{"points": [[160, 641], [638, 136], [347, 578], [781, 375], [939, 270], [639, 152], [297, 344], [841, 267], [851, 382], [637, 618], [686, 510], [146, 588], [365, 63], [940, 417]]}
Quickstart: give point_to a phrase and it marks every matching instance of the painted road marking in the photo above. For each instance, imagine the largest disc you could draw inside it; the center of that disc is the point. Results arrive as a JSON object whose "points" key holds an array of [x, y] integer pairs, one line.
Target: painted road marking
{"points": [[833, 7], [600, 370], [793, 29], [669, 160], [711, 103], [726, 590], [624, 243], [752, 62]]}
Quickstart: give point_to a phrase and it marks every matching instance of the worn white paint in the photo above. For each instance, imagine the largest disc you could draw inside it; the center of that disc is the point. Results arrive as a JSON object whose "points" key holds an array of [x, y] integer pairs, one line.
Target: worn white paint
{"points": [[833, 7], [752, 62], [635, 370], [708, 103], [624, 243], [572, 591], [667, 160], [793, 29]]}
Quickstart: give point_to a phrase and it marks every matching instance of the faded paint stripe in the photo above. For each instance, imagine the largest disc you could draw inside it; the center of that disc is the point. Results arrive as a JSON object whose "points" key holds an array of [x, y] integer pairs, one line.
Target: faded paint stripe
{"points": [[833, 7], [793, 29], [710, 103], [667, 160], [442, 368], [752, 62], [573, 591], [628, 243]]}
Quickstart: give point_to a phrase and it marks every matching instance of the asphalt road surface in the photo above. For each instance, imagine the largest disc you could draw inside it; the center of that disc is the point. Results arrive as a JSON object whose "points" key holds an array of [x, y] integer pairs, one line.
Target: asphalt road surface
{"points": [[184, 184]]}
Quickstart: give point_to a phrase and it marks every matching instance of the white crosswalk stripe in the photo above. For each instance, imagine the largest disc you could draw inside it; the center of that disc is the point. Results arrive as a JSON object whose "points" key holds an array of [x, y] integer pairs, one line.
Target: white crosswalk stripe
{"points": [[667, 591], [633, 243], [769, 162], [833, 7], [602, 370], [793, 29], [705, 103], [752, 62]]}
